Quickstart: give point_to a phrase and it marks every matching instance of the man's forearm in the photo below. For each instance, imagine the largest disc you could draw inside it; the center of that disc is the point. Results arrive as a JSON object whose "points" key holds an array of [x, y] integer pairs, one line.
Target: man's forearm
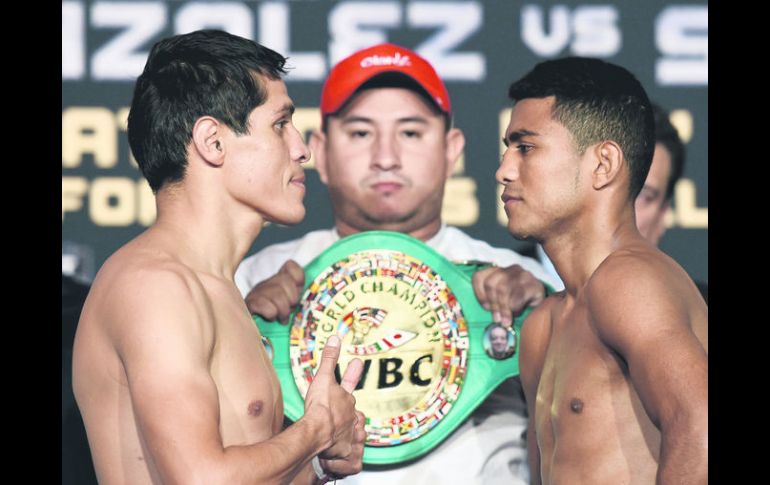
{"points": [[306, 476], [283, 459]]}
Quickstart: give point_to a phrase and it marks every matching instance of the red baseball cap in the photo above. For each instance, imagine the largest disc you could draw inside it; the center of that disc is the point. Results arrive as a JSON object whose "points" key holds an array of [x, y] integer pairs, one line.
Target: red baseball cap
{"points": [[350, 73]]}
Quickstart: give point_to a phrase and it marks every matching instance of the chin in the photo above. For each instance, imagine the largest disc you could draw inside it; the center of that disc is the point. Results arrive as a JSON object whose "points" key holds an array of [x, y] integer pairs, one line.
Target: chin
{"points": [[520, 233], [290, 219], [387, 216]]}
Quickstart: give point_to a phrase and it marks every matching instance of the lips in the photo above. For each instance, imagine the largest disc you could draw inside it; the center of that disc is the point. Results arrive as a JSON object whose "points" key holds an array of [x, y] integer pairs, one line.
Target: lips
{"points": [[386, 187], [298, 180], [510, 198]]}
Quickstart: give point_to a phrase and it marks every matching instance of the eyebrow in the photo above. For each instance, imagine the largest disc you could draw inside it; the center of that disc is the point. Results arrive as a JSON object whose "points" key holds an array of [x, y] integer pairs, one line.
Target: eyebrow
{"points": [[287, 108], [413, 119], [363, 119], [515, 136], [355, 119]]}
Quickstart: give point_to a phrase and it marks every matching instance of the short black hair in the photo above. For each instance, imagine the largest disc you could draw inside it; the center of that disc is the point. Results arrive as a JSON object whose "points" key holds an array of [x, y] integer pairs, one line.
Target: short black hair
{"points": [[668, 136], [596, 101], [206, 72]]}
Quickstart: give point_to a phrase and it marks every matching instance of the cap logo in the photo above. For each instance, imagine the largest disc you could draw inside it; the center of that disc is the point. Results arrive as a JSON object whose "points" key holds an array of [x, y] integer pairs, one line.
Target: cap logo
{"points": [[395, 60]]}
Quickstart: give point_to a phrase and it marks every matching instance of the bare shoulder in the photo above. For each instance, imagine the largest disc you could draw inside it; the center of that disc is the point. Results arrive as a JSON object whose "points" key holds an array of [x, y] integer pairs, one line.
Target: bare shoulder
{"points": [[140, 275], [638, 291], [139, 291], [640, 255]]}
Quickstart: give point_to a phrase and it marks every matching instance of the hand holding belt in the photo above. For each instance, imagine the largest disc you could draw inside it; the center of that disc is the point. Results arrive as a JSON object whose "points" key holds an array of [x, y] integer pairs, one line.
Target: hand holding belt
{"points": [[413, 318]]}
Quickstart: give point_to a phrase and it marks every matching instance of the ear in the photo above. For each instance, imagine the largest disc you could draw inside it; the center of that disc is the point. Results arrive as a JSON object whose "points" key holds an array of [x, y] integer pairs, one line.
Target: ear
{"points": [[607, 161], [208, 141], [317, 144], [455, 143]]}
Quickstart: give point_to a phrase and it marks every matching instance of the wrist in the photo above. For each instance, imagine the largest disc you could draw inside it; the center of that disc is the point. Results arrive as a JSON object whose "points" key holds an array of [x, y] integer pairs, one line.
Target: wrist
{"points": [[319, 428]]}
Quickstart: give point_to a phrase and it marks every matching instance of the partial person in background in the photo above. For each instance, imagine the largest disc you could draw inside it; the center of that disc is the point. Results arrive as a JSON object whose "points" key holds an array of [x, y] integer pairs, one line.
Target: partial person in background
{"points": [[385, 151], [615, 366], [667, 168], [169, 370], [654, 200]]}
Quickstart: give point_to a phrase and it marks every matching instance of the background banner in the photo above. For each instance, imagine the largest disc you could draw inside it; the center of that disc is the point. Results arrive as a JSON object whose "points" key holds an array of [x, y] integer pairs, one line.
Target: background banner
{"points": [[478, 48]]}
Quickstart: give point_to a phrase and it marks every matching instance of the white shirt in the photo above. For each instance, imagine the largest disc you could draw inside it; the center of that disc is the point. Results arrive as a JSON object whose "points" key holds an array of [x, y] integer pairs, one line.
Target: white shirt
{"points": [[549, 267], [450, 242], [489, 448]]}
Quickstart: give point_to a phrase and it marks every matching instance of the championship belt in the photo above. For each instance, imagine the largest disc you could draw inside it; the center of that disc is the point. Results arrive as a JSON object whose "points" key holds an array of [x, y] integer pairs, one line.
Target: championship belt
{"points": [[431, 353]]}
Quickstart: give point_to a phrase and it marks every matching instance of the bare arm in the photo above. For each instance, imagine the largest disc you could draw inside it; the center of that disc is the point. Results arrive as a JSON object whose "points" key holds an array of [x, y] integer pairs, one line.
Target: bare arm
{"points": [[163, 331], [648, 321], [535, 335]]}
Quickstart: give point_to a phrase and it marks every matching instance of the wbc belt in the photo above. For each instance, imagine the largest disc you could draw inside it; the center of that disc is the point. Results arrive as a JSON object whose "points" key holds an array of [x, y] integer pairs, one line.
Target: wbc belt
{"points": [[412, 317]]}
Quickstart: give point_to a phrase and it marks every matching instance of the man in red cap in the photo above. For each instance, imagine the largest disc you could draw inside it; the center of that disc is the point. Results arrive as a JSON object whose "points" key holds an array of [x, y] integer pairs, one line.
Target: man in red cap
{"points": [[385, 151]]}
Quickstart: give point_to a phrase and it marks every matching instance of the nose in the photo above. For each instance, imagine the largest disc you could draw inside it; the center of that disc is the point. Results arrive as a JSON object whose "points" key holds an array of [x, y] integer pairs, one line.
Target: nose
{"points": [[299, 150], [385, 156], [509, 168]]}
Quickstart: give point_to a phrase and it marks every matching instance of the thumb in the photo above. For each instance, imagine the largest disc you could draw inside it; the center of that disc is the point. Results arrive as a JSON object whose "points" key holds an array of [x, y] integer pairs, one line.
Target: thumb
{"points": [[352, 375], [329, 357]]}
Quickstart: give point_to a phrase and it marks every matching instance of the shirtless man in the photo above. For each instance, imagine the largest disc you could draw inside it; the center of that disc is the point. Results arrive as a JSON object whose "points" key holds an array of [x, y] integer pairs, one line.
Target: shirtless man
{"points": [[615, 367], [656, 196], [169, 370]]}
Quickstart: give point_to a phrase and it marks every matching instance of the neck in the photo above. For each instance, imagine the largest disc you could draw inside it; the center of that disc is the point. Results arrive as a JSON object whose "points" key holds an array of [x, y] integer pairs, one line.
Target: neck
{"points": [[201, 232], [577, 252], [423, 233]]}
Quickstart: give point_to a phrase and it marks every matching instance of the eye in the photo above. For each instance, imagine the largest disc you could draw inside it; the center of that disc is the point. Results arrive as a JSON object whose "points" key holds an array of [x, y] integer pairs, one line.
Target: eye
{"points": [[359, 134], [412, 134], [280, 124], [523, 149]]}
